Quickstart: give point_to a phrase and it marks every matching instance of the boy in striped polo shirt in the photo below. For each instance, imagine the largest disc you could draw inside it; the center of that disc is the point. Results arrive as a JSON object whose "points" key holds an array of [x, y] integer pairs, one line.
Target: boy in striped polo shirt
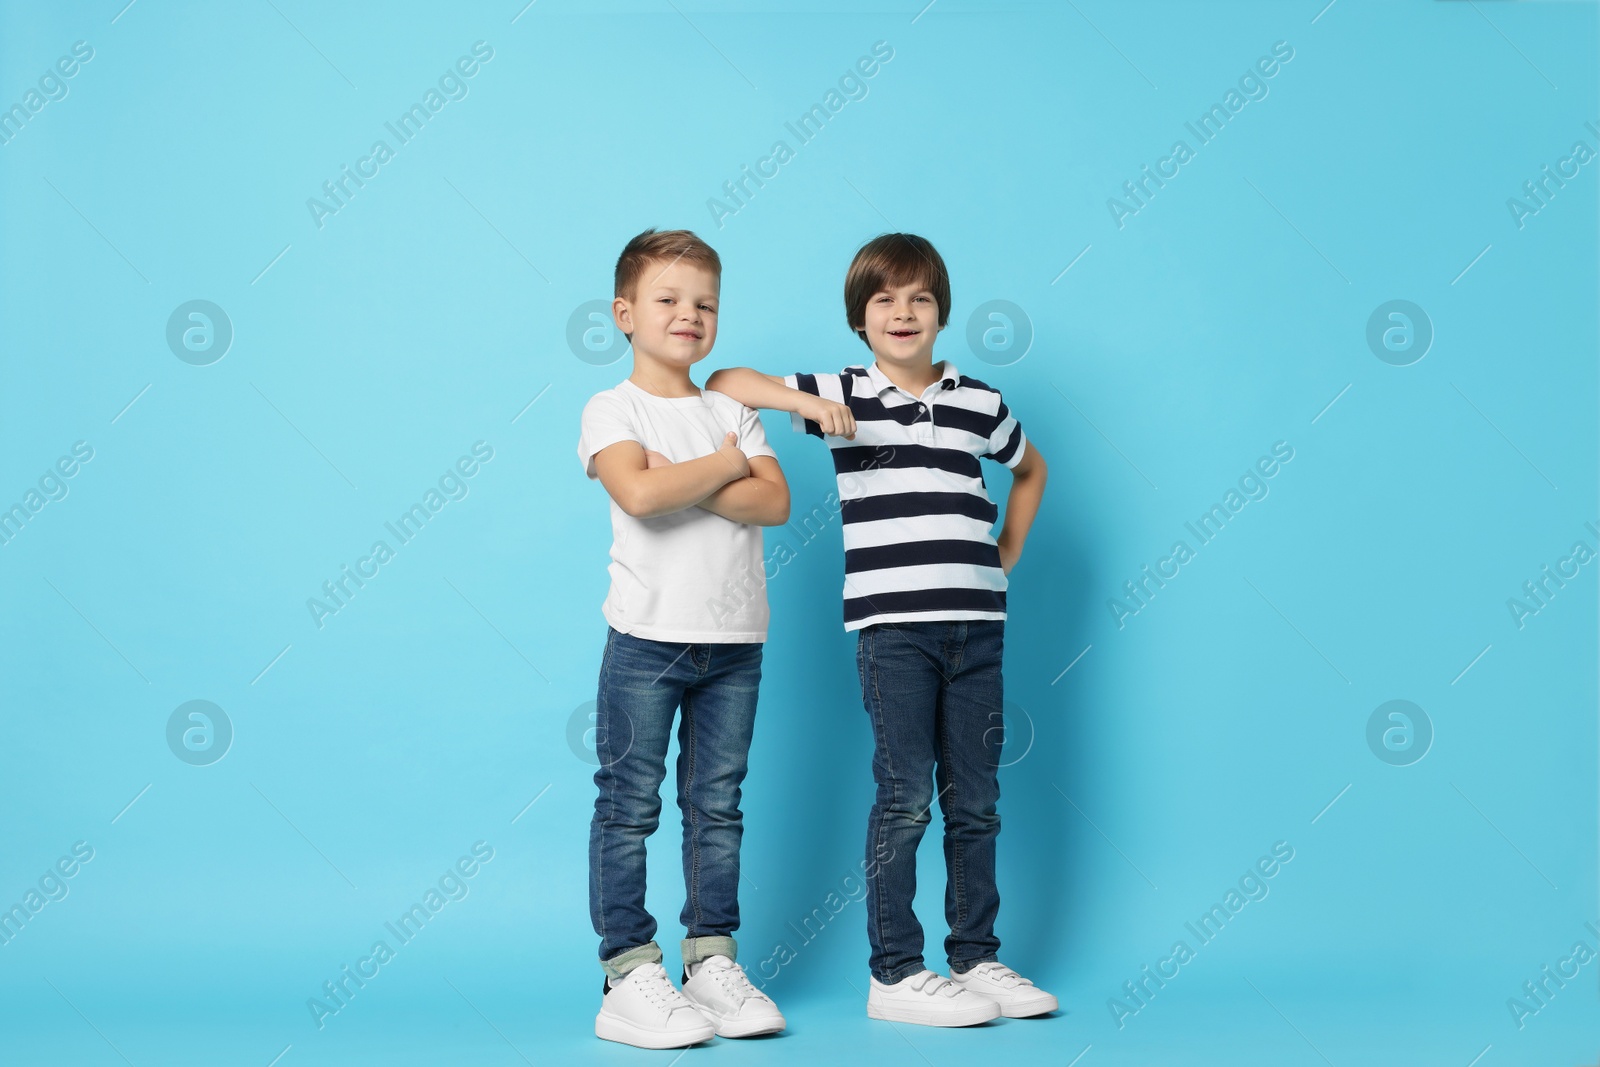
{"points": [[925, 592]]}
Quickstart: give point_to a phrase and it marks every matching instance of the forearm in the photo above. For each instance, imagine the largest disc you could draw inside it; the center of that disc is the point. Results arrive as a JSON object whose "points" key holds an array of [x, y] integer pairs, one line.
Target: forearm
{"points": [[1022, 506], [663, 490], [752, 500], [756, 390]]}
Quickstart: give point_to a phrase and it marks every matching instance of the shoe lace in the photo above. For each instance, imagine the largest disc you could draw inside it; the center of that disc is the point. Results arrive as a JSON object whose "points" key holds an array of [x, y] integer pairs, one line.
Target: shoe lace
{"points": [[658, 989], [734, 982]]}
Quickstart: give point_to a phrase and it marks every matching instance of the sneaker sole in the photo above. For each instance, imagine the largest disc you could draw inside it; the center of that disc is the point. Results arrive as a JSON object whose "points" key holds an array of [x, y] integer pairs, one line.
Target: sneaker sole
{"points": [[611, 1028], [738, 1027], [1040, 1003], [1027, 1009], [895, 1013], [744, 1027]]}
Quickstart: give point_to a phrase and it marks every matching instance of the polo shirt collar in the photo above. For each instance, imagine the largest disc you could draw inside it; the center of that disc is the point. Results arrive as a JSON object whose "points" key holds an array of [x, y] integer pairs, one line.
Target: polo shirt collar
{"points": [[881, 382]]}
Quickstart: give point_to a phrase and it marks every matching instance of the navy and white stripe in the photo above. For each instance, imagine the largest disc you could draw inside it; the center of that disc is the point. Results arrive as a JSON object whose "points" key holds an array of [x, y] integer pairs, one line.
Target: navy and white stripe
{"points": [[917, 515]]}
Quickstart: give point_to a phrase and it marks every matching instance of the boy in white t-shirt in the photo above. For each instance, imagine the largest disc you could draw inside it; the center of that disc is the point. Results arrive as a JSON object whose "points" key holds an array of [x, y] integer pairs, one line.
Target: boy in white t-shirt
{"points": [[691, 480]]}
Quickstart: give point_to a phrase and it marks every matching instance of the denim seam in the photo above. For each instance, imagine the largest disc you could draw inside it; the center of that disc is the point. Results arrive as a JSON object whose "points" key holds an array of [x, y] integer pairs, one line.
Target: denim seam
{"points": [[958, 872], [691, 812], [611, 812], [871, 672]]}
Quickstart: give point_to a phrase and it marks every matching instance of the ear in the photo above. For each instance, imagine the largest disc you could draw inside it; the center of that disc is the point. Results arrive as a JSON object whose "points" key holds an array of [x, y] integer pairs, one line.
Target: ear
{"points": [[622, 314]]}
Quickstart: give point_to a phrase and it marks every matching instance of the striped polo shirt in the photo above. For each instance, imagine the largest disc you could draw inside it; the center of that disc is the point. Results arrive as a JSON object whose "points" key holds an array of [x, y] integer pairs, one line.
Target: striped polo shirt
{"points": [[917, 517]]}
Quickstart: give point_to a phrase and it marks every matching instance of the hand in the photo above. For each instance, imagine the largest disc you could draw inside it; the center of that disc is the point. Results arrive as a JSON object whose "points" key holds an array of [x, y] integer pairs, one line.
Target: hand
{"points": [[654, 459], [1009, 555], [836, 420], [736, 459]]}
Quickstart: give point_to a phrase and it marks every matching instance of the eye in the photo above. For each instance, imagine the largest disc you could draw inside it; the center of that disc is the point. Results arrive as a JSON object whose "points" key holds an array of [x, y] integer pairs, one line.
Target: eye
{"points": [[708, 308]]}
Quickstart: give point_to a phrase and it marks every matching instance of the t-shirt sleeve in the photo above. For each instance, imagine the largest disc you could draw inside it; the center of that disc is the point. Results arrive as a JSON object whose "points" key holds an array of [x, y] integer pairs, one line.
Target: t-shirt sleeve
{"points": [[827, 386], [752, 435], [1007, 442], [606, 420]]}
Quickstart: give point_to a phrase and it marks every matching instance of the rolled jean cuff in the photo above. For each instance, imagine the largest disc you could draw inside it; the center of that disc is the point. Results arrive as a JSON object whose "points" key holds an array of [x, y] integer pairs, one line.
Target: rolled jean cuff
{"points": [[628, 959], [696, 949]]}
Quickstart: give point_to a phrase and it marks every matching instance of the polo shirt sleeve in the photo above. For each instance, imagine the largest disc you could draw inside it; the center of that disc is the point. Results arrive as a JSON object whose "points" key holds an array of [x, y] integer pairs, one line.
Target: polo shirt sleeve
{"points": [[606, 420], [1006, 441], [827, 386]]}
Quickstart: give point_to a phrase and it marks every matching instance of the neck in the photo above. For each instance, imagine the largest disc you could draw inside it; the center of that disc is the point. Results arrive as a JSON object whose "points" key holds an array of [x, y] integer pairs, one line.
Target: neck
{"points": [[653, 376], [912, 379]]}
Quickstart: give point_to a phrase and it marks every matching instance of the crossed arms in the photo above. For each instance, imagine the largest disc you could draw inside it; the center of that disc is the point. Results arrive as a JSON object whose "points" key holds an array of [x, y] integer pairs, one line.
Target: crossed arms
{"points": [[646, 484]]}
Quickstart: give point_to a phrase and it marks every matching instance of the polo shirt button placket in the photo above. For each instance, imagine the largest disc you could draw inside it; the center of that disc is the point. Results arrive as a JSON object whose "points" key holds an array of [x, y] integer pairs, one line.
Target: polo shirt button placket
{"points": [[925, 424]]}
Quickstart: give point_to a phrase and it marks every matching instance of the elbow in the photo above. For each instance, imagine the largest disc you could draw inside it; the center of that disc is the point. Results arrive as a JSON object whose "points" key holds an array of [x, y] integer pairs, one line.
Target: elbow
{"points": [[718, 379], [773, 509], [637, 504]]}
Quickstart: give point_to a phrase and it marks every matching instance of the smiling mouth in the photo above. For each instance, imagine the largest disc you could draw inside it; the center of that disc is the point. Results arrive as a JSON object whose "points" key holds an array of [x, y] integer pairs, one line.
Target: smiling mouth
{"points": [[687, 335], [902, 334]]}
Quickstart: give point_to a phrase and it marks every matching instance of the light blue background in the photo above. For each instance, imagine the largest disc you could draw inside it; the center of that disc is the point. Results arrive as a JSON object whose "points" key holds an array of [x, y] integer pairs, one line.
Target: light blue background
{"points": [[1228, 314]]}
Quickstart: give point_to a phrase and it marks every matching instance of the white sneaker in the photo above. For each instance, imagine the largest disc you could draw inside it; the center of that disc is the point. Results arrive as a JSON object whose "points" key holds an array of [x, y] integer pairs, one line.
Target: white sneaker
{"points": [[646, 1010], [1018, 998], [929, 999], [722, 992]]}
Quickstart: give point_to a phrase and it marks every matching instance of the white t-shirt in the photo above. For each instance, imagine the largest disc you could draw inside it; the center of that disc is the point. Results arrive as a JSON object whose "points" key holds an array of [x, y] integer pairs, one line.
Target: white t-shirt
{"points": [[692, 576]]}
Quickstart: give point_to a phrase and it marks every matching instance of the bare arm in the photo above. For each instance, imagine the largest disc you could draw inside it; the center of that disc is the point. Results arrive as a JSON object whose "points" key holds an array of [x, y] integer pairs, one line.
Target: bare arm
{"points": [[646, 492], [761, 498], [1027, 490], [756, 390]]}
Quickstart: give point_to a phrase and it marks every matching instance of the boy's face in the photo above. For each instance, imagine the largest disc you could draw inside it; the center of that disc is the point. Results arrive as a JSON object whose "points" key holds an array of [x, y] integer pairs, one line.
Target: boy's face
{"points": [[901, 324], [673, 313]]}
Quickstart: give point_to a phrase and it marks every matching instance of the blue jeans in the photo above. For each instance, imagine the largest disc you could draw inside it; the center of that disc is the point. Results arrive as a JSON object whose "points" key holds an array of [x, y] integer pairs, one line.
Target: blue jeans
{"points": [[642, 684], [933, 691]]}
